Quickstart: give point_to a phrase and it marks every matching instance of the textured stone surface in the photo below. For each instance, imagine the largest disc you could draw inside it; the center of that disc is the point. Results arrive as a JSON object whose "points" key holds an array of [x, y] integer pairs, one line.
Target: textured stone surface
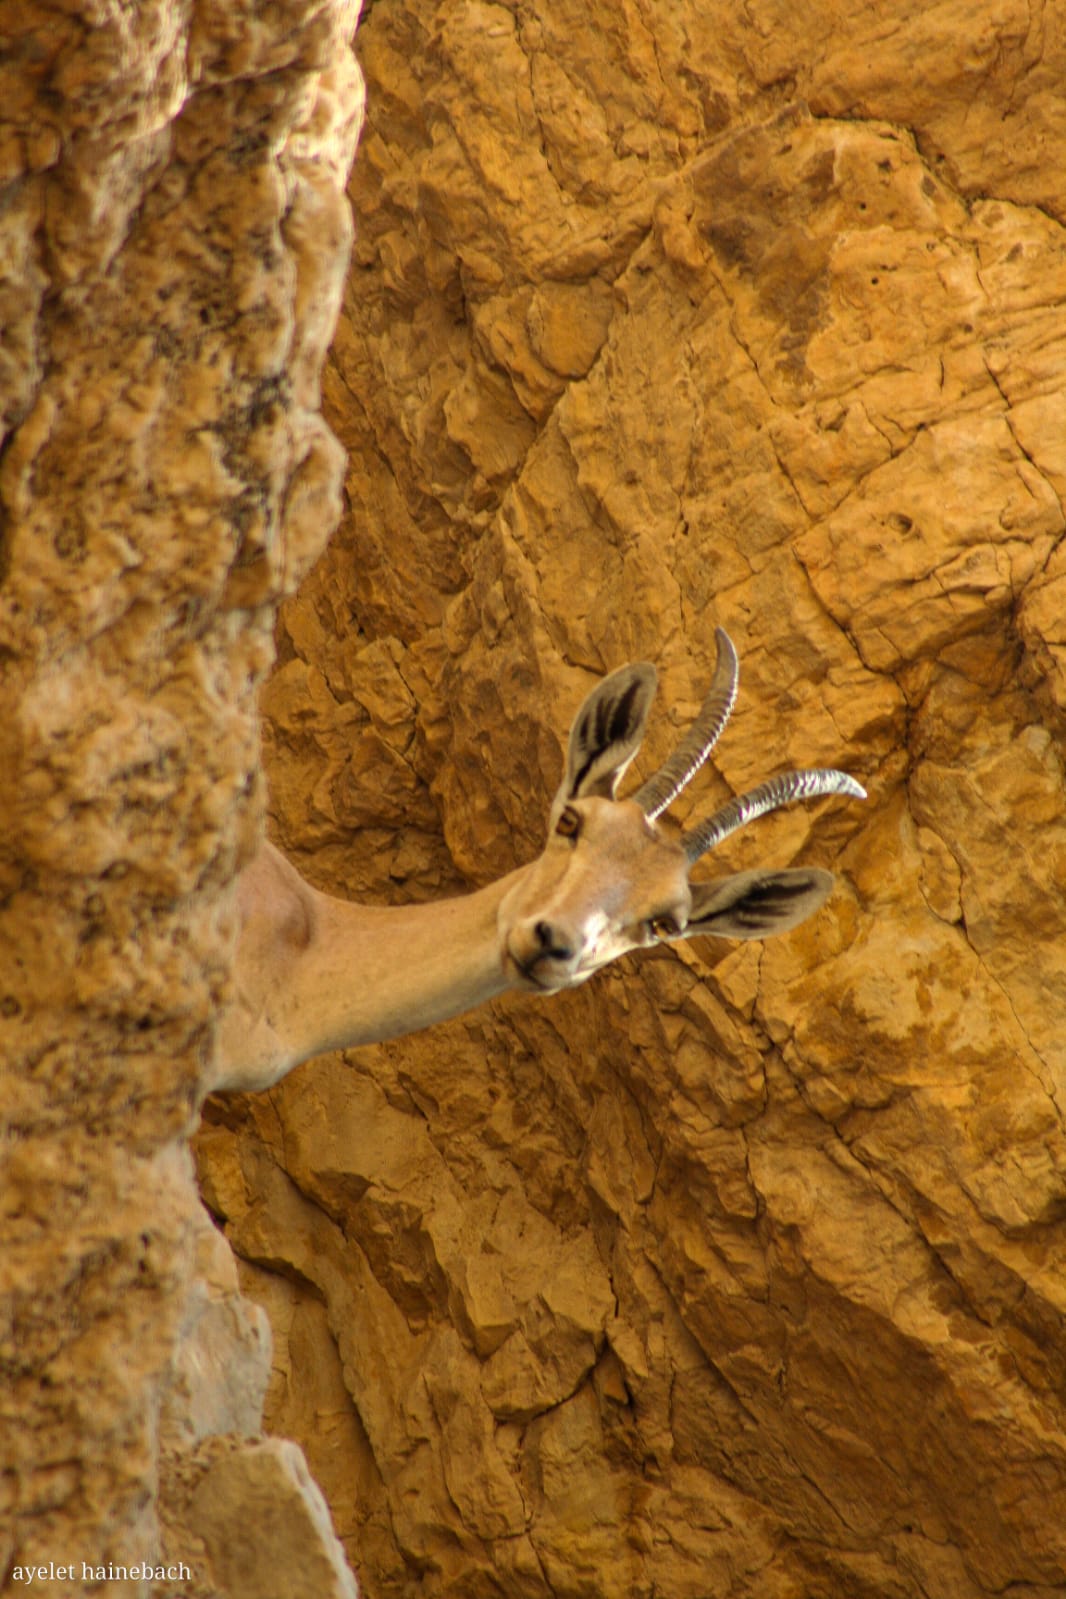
{"points": [[173, 239], [250, 1520], [738, 1270]]}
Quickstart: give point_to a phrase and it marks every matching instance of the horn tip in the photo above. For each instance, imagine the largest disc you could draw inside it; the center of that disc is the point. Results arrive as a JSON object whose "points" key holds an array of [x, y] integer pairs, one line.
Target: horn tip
{"points": [[724, 645], [829, 780]]}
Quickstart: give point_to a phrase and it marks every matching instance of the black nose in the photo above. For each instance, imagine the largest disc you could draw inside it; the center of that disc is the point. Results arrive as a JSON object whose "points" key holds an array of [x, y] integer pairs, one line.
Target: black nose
{"points": [[552, 942]]}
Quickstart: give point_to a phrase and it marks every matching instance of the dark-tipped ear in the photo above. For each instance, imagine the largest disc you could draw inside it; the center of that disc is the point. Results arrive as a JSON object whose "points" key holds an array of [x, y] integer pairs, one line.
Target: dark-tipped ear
{"points": [[607, 733], [757, 904]]}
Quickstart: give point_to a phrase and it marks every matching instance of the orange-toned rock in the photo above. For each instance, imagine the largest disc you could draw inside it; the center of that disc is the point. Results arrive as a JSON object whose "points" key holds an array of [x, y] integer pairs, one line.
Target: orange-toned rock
{"points": [[739, 1269]]}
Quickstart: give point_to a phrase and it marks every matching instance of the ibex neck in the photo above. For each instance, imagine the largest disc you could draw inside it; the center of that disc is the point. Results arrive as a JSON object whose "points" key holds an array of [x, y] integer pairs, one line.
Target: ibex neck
{"points": [[382, 971], [314, 973]]}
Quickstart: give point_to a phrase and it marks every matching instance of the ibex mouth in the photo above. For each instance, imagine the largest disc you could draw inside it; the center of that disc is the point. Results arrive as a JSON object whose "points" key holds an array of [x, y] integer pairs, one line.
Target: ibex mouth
{"points": [[534, 972]]}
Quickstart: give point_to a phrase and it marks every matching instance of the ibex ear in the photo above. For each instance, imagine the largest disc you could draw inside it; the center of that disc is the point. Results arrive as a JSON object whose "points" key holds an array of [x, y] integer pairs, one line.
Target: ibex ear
{"points": [[607, 733], [757, 904]]}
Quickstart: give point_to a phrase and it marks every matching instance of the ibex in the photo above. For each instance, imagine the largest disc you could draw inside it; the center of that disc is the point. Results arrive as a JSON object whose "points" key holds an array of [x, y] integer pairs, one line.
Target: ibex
{"points": [[314, 973]]}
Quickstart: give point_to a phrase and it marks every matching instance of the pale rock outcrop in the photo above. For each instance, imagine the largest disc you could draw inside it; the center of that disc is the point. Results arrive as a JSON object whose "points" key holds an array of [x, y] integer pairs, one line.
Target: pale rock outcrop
{"points": [[173, 239], [740, 1269]]}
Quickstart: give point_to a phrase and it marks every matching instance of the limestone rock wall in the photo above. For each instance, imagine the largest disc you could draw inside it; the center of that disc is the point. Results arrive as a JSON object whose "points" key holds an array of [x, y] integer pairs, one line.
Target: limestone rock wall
{"points": [[173, 240], [740, 1270]]}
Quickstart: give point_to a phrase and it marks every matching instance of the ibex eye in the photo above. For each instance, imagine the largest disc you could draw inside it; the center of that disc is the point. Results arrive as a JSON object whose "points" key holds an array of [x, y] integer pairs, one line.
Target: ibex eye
{"points": [[663, 927], [569, 823]]}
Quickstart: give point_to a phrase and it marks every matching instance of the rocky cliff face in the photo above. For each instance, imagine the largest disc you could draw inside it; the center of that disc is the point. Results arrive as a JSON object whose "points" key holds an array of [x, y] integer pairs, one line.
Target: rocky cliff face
{"points": [[173, 239], [741, 1269]]}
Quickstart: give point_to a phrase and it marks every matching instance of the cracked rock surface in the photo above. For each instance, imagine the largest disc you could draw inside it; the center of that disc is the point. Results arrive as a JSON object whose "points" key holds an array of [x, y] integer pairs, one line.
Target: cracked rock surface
{"points": [[739, 1270]]}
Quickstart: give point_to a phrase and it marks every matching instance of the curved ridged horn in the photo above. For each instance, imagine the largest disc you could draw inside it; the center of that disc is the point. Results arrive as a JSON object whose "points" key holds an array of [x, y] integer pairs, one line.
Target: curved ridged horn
{"points": [[665, 785], [768, 796]]}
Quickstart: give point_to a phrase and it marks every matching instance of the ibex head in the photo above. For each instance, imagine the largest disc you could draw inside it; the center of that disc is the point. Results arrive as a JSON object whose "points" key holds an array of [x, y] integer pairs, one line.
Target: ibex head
{"points": [[612, 879]]}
